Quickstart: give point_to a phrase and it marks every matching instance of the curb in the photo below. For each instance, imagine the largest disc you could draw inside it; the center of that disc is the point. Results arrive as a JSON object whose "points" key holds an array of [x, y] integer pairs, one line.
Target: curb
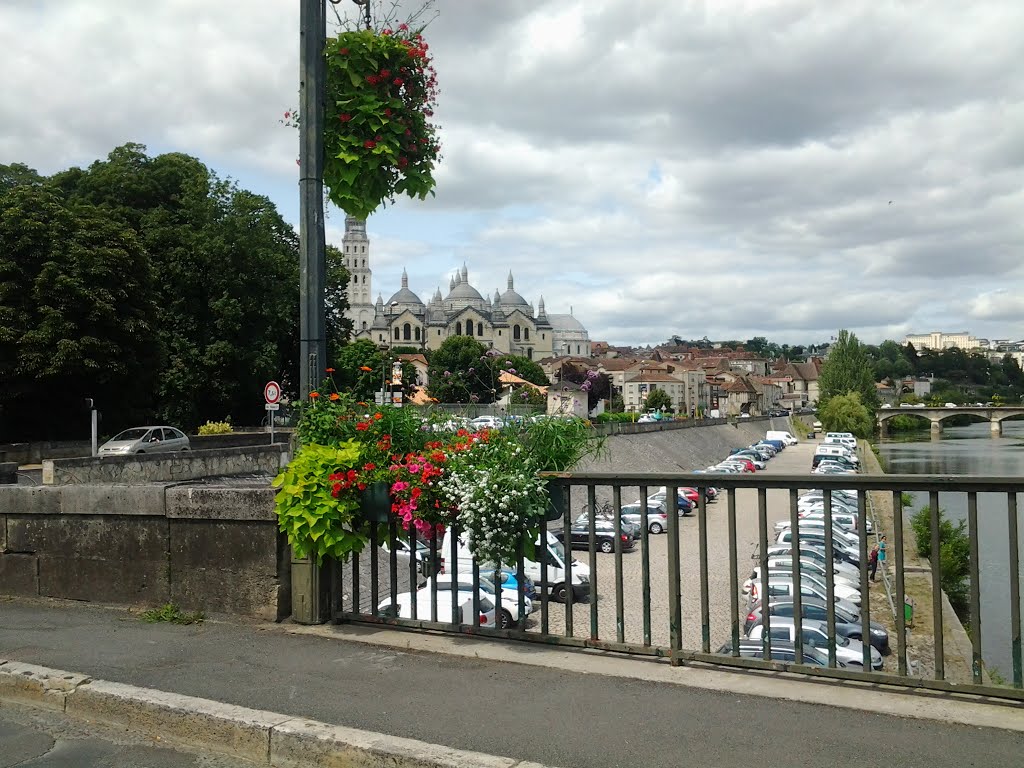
{"points": [[265, 738]]}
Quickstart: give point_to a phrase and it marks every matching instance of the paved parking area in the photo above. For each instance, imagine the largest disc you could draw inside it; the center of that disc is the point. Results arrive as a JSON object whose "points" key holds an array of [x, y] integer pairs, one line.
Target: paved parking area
{"points": [[794, 460]]}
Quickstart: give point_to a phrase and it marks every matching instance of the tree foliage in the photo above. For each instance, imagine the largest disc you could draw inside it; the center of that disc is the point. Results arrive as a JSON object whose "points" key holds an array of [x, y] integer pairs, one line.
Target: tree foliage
{"points": [[460, 372], [847, 369], [658, 400], [846, 413], [170, 293]]}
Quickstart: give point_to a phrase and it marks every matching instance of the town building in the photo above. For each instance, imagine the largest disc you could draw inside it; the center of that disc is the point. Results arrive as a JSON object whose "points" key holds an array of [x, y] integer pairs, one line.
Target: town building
{"points": [[507, 322], [942, 340]]}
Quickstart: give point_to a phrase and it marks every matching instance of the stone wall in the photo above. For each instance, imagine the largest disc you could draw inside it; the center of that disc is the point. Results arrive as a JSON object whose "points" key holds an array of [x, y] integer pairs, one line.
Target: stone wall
{"points": [[204, 548], [167, 467]]}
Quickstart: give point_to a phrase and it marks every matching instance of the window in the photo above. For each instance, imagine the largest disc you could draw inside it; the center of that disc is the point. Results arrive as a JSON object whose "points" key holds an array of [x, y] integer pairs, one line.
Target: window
{"points": [[479, 329], [469, 327], [516, 332], [526, 333], [417, 333], [364, 325], [347, 249], [779, 633], [407, 332], [499, 333], [438, 331], [364, 251], [396, 334], [543, 336], [458, 328], [529, 353]]}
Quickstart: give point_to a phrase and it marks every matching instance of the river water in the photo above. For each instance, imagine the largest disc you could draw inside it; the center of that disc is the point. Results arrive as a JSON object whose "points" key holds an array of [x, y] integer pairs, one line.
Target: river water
{"points": [[971, 450]]}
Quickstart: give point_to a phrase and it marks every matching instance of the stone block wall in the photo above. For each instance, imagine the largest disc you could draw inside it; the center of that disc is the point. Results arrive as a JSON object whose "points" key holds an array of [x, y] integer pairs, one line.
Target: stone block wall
{"points": [[204, 548], [167, 467]]}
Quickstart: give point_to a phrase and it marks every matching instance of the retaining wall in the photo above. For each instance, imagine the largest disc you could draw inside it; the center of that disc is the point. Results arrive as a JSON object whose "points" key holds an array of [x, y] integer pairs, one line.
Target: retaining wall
{"points": [[204, 548], [167, 467]]}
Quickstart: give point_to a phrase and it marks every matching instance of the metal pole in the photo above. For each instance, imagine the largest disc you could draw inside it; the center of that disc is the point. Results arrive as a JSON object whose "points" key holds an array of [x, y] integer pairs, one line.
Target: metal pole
{"points": [[271, 427], [312, 260], [95, 432]]}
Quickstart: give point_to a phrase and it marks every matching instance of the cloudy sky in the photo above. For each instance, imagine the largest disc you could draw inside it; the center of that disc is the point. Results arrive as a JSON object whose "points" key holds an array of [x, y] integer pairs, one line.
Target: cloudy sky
{"points": [[726, 168]]}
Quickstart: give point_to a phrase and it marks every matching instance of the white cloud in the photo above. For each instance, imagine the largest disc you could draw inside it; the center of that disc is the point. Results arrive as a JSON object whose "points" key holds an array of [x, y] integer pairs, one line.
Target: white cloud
{"points": [[720, 169]]}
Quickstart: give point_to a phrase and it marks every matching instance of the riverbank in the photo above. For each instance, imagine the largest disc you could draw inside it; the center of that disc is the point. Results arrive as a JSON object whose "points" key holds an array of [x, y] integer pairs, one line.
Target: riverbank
{"points": [[917, 578]]}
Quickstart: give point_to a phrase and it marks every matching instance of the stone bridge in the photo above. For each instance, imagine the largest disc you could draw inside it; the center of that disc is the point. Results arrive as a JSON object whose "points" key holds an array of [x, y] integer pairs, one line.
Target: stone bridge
{"points": [[994, 415]]}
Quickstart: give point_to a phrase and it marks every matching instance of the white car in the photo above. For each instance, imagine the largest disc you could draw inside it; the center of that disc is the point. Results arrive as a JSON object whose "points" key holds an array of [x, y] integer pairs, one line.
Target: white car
{"points": [[146, 440], [509, 597], [402, 608], [486, 422]]}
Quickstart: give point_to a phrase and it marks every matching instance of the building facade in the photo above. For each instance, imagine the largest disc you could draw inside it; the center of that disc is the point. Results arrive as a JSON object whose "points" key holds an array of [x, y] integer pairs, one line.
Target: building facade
{"points": [[507, 322], [941, 340]]}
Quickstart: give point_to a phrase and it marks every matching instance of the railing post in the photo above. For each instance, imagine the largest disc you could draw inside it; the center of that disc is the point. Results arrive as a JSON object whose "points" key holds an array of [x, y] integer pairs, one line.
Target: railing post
{"points": [[675, 606], [936, 563]]}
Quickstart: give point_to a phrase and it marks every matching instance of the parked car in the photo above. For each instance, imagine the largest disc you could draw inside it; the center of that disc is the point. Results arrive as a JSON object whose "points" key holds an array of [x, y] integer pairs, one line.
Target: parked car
{"points": [[778, 566], [813, 550], [683, 504], [657, 516], [422, 555], [816, 635], [626, 525], [401, 608], [782, 584], [847, 623], [508, 615], [604, 534], [486, 422], [160, 439], [841, 588], [781, 650]]}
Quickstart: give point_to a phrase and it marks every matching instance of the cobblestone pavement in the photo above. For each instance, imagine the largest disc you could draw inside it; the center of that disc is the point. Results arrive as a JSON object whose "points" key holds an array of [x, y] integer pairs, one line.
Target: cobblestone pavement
{"points": [[37, 739], [794, 460]]}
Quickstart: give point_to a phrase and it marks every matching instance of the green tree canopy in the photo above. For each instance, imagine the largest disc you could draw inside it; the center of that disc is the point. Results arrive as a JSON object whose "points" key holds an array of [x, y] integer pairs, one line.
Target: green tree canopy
{"points": [[461, 372], [847, 369], [658, 400], [846, 413]]}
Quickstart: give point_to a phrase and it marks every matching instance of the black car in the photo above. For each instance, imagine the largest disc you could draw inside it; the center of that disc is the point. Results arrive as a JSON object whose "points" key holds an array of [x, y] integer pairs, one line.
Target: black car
{"points": [[778, 412], [813, 609], [604, 534]]}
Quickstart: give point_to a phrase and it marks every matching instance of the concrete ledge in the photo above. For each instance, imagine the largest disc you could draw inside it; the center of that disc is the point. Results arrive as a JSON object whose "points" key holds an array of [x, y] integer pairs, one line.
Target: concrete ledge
{"points": [[265, 738], [200, 503], [35, 500], [140, 500], [307, 742], [210, 725], [37, 686]]}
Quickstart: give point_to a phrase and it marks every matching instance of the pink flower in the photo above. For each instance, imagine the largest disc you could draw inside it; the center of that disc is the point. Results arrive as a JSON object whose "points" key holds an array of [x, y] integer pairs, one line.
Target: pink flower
{"points": [[399, 486]]}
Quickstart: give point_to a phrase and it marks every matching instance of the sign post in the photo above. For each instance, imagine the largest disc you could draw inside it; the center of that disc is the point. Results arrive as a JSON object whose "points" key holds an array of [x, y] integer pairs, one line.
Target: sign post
{"points": [[272, 394]]}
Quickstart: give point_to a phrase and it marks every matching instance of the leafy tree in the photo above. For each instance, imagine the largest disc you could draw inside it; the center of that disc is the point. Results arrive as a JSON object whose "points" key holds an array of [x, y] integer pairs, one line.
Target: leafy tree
{"points": [[520, 366], [225, 267], [77, 316], [599, 383], [954, 553], [846, 413], [1010, 368], [460, 371], [847, 369], [18, 175], [527, 395], [350, 375], [658, 400]]}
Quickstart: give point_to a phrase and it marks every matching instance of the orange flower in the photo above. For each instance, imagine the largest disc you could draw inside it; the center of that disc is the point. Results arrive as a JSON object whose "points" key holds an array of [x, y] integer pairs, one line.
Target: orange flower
{"points": [[329, 370], [361, 403], [314, 395], [378, 416], [365, 368], [334, 396]]}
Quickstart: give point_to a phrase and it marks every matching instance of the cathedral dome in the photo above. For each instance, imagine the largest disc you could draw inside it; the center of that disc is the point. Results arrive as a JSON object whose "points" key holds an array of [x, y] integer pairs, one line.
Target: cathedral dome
{"points": [[462, 294], [404, 299], [511, 300]]}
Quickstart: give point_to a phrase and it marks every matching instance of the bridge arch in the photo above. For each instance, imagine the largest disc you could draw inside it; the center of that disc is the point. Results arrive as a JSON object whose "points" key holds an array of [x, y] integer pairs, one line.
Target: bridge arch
{"points": [[994, 415]]}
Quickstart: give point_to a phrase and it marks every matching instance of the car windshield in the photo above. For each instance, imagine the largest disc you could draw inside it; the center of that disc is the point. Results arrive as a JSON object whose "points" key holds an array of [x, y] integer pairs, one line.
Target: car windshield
{"points": [[556, 548], [131, 434]]}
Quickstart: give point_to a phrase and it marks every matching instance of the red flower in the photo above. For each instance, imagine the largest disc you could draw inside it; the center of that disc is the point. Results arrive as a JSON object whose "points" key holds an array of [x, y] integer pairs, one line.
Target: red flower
{"points": [[344, 117], [369, 144], [352, 475], [362, 426], [378, 138], [370, 467], [385, 74], [287, 115], [343, 51], [386, 31], [403, 27], [372, 79], [387, 111], [329, 370], [397, 81]]}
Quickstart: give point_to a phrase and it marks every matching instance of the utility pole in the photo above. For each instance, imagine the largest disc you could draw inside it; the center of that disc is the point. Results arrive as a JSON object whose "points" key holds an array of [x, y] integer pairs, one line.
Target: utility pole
{"points": [[312, 258]]}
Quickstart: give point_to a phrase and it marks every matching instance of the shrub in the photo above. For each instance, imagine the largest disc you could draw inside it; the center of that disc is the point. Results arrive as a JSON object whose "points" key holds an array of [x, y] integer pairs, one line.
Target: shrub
{"points": [[954, 553], [216, 428]]}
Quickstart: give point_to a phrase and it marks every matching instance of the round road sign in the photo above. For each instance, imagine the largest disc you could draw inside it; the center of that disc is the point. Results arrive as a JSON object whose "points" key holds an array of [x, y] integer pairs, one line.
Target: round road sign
{"points": [[272, 392]]}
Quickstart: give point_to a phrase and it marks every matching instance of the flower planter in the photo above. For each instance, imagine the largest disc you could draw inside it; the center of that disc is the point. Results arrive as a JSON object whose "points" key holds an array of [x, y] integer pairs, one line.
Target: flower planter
{"points": [[375, 503], [557, 502]]}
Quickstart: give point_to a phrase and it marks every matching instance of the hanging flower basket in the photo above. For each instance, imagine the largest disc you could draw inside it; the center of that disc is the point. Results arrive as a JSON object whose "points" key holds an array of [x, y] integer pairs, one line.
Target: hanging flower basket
{"points": [[378, 138], [375, 502]]}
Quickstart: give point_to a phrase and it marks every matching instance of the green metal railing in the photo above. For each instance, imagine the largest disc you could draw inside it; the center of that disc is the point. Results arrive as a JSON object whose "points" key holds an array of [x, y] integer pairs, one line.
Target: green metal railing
{"points": [[634, 600]]}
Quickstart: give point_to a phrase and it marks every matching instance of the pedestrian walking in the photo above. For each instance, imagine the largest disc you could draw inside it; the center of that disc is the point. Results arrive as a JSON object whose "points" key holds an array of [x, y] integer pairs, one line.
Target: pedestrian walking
{"points": [[873, 561], [881, 552]]}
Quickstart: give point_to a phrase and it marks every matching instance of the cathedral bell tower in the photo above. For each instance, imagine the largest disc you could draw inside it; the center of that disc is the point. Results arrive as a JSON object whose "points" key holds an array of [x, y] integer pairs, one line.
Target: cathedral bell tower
{"points": [[356, 258]]}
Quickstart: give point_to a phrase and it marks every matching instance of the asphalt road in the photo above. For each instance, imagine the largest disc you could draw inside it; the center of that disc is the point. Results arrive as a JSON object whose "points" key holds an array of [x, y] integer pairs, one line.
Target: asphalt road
{"points": [[32, 739], [531, 713]]}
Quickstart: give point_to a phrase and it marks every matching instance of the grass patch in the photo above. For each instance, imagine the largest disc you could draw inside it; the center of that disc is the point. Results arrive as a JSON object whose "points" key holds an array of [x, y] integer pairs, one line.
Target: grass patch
{"points": [[171, 614]]}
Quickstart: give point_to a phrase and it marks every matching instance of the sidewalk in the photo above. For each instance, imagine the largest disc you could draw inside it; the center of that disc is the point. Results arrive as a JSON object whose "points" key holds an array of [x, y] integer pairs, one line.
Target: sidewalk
{"points": [[516, 700]]}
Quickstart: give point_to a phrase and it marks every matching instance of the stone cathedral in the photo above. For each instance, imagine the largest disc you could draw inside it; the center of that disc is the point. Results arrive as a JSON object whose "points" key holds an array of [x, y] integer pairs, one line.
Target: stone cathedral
{"points": [[507, 322]]}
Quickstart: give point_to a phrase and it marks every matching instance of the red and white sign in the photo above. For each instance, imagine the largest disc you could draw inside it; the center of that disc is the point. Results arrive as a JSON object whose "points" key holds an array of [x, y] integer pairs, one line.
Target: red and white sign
{"points": [[272, 392]]}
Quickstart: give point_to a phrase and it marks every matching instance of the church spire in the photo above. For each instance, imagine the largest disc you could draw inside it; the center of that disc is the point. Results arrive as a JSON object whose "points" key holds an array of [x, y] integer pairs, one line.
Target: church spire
{"points": [[405, 278], [510, 279]]}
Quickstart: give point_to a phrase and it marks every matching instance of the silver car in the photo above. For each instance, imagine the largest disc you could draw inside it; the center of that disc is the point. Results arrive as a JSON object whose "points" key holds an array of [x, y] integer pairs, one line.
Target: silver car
{"points": [[146, 440], [815, 634]]}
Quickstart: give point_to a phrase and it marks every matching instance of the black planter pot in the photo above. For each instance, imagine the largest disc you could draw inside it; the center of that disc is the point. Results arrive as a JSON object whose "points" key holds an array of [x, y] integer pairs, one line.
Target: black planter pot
{"points": [[557, 502], [375, 503]]}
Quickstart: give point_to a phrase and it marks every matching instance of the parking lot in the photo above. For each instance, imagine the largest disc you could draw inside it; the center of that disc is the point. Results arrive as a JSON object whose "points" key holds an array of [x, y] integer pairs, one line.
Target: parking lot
{"points": [[794, 460]]}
